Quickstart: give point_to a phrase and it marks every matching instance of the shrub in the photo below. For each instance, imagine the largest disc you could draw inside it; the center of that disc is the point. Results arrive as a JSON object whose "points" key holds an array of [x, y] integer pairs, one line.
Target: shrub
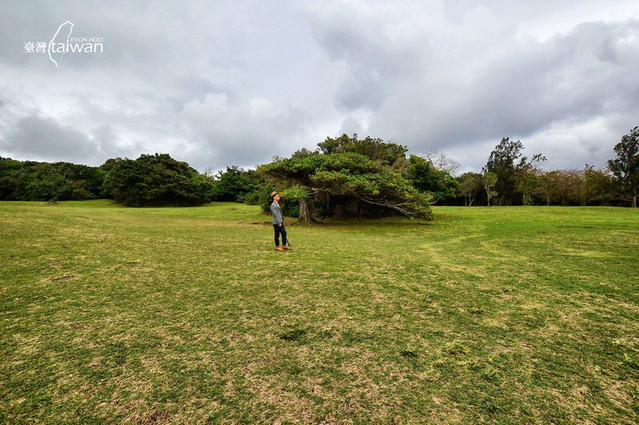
{"points": [[153, 180]]}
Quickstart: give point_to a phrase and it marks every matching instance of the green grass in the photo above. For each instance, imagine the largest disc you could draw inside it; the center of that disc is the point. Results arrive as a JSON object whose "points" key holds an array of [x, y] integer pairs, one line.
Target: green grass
{"points": [[182, 315]]}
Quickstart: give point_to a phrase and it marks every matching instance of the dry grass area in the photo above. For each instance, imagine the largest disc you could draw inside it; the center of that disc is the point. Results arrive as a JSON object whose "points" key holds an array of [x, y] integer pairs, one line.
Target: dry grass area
{"points": [[188, 315]]}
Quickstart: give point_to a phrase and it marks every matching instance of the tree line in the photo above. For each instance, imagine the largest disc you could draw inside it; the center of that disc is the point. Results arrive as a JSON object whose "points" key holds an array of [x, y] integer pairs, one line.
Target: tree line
{"points": [[150, 180], [510, 178], [343, 177]]}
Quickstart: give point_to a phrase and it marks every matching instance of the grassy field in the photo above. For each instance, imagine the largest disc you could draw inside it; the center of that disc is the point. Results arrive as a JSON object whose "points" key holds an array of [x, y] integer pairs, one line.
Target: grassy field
{"points": [[509, 315]]}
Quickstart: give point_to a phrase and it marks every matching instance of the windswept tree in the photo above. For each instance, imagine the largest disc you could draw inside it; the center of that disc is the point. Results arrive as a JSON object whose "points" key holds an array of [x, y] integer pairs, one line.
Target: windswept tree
{"points": [[300, 195], [625, 167], [350, 178]]}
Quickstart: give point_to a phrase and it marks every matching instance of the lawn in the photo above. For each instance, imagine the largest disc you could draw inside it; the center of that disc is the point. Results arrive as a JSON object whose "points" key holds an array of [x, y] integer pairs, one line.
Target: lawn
{"points": [[188, 315]]}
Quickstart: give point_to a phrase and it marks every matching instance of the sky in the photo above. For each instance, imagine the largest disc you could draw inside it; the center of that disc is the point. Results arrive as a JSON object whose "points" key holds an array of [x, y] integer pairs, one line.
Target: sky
{"points": [[219, 83]]}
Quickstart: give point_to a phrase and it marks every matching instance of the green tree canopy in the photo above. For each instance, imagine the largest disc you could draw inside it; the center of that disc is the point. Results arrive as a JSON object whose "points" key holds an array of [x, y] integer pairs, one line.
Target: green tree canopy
{"points": [[489, 182], [506, 161], [388, 153], [233, 184], [426, 178], [44, 181], [469, 184]]}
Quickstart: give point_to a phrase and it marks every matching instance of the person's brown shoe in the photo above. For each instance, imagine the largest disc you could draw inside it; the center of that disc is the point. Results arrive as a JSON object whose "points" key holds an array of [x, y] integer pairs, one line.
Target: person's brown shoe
{"points": [[280, 248], [287, 248]]}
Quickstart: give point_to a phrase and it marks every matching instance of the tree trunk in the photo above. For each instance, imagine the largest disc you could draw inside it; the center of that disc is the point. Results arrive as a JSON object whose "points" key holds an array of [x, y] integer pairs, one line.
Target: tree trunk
{"points": [[634, 197], [305, 214]]}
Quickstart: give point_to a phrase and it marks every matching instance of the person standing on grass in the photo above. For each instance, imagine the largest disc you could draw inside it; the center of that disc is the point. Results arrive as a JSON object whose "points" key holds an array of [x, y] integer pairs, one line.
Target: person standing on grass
{"points": [[278, 222]]}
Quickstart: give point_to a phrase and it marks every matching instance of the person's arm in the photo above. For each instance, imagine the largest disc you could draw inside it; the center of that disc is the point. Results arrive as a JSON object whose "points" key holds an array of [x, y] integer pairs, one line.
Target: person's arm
{"points": [[277, 214], [280, 216]]}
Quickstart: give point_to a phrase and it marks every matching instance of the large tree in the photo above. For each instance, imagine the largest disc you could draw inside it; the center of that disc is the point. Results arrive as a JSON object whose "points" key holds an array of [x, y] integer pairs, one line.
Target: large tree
{"points": [[350, 178], [625, 167]]}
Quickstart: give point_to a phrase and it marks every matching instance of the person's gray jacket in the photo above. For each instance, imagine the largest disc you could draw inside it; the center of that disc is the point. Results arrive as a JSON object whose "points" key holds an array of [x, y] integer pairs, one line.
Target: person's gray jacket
{"points": [[278, 218]]}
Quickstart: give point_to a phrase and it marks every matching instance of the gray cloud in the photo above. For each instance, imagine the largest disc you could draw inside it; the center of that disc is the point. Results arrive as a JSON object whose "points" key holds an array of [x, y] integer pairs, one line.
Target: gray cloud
{"points": [[44, 138], [225, 130], [236, 83], [467, 92]]}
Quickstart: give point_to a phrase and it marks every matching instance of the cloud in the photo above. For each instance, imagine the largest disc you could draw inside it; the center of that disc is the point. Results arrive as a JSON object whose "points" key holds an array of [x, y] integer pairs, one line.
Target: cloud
{"points": [[225, 131], [38, 137], [477, 80], [227, 83]]}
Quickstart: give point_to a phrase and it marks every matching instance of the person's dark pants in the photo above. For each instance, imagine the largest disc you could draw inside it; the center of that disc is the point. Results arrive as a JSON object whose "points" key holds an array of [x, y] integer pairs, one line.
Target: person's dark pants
{"points": [[280, 230]]}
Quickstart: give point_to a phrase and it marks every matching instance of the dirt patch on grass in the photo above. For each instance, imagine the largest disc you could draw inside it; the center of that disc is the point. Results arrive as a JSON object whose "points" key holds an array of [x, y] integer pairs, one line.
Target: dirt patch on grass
{"points": [[63, 278]]}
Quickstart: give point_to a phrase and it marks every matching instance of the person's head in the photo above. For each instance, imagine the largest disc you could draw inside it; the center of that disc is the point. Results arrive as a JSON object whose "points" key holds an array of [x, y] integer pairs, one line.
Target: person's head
{"points": [[275, 196]]}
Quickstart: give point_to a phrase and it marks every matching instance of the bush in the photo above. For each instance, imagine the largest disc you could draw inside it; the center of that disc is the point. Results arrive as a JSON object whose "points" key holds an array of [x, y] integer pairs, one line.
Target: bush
{"points": [[153, 180], [234, 184]]}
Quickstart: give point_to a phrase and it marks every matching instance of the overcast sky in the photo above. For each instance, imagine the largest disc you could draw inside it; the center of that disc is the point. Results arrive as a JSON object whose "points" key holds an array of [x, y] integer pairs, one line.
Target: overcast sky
{"points": [[218, 83]]}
